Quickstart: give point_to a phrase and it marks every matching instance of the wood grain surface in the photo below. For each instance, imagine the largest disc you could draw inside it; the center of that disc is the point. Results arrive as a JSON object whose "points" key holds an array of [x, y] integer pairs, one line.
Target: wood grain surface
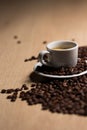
{"points": [[33, 22]]}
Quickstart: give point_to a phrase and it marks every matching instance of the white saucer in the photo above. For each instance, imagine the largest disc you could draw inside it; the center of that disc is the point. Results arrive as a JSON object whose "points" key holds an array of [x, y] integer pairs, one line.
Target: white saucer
{"points": [[56, 76]]}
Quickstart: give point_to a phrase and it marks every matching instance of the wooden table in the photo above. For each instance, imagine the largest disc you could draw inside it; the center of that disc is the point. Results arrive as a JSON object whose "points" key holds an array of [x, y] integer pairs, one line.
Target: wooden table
{"points": [[33, 22]]}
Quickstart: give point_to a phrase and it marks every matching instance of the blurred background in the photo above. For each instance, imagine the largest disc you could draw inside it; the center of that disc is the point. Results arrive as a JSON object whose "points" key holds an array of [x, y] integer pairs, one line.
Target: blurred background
{"points": [[56, 16]]}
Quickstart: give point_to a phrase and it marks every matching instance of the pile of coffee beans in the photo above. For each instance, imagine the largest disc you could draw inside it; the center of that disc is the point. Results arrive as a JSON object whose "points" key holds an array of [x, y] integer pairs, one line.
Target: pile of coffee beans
{"points": [[61, 95], [56, 95], [83, 52], [80, 67]]}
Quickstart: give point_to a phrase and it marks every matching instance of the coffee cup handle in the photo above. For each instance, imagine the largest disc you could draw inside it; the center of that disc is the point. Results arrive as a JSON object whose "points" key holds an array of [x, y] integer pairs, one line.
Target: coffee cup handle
{"points": [[41, 57]]}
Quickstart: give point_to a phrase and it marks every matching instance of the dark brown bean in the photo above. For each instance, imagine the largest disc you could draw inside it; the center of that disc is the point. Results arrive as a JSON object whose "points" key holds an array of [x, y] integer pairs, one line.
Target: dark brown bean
{"points": [[24, 86], [15, 37], [9, 97], [33, 85], [3, 91], [44, 42], [17, 90], [73, 39], [18, 42], [31, 59], [8, 91]]}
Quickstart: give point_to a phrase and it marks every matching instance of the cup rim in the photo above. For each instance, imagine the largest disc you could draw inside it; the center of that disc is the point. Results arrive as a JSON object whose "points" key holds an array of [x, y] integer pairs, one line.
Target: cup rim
{"points": [[76, 45]]}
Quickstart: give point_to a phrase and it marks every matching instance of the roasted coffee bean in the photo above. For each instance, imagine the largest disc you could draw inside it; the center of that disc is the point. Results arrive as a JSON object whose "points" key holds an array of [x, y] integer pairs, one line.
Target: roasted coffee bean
{"points": [[22, 94], [3, 91], [8, 91], [15, 37], [14, 95], [17, 90], [26, 60], [82, 52], [24, 86], [65, 84], [30, 59], [44, 42], [13, 99], [18, 42], [30, 102], [33, 85], [33, 57], [73, 39], [9, 97]]}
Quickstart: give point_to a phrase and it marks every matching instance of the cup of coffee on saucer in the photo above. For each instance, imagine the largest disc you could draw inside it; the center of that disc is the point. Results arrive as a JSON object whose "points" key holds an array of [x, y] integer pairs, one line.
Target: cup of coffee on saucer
{"points": [[60, 53]]}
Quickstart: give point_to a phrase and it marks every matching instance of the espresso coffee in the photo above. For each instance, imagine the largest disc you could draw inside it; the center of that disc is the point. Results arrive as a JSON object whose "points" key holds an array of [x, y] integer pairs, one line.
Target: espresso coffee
{"points": [[62, 47], [59, 48]]}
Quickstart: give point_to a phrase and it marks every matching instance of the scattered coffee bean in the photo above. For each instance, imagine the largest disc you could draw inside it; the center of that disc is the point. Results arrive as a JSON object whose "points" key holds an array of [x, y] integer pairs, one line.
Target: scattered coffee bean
{"points": [[83, 52], [26, 60], [44, 42], [3, 91], [22, 95], [33, 58], [24, 86], [17, 90], [14, 97], [8, 91], [15, 94], [73, 39], [33, 85], [19, 42], [15, 37], [9, 97], [30, 59]]}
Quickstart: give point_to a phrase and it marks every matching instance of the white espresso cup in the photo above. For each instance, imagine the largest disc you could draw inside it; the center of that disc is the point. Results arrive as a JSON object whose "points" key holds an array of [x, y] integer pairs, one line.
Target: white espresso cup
{"points": [[60, 53]]}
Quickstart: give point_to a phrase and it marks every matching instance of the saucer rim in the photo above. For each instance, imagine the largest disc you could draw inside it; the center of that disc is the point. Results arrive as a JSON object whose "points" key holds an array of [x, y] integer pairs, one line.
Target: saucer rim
{"points": [[56, 76]]}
